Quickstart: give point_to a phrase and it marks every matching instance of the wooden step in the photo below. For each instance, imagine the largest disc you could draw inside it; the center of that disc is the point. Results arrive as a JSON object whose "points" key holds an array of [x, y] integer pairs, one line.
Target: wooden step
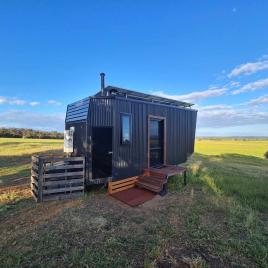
{"points": [[152, 180], [149, 186], [148, 172]]}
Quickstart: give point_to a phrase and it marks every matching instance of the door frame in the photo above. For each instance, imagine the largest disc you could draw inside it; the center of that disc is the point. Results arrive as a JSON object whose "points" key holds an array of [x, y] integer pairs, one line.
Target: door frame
{"points": [[164, 139]]}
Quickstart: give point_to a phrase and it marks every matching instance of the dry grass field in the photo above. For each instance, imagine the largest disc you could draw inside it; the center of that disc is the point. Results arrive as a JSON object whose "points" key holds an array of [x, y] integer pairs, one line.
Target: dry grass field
{"points": [[220, 219]]}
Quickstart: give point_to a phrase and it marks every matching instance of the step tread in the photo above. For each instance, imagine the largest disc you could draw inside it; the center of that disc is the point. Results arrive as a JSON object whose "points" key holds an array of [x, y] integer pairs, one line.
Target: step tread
{"points": [[152, 178], [153, 181], [150, 186]]}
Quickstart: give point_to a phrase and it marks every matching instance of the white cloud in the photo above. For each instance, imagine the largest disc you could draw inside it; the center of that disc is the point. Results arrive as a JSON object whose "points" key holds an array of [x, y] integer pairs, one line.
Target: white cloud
{"points": [[3, 100], [262, 83], [235, 84], [194, 96], [11, 101], [16, 101], [219, 116], [249, 68], [34, 103], [28, 119], [260, 100], [54, 102]]}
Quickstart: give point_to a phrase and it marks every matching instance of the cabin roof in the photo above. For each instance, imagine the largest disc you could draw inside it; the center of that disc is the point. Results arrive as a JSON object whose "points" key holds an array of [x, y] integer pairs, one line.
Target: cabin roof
{"points": [[127, 93], [78, 111]]}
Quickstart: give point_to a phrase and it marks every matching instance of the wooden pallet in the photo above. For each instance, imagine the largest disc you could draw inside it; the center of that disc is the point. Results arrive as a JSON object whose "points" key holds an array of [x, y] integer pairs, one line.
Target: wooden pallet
{"points": [[56, 178], [121, 185]]}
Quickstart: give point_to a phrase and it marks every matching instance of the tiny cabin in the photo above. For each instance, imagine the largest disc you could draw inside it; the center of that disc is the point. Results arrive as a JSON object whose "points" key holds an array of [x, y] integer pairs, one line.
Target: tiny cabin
{"points": [[121, 132]]}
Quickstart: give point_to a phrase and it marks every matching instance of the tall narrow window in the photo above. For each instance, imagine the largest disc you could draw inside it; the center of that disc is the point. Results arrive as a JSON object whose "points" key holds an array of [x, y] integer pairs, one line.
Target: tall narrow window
{"points": [[125, 128]]}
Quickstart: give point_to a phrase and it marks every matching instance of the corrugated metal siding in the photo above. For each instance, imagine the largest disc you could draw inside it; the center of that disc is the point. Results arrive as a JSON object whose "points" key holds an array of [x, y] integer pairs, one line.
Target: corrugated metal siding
{"points": [[77, 111], [100, 112], [100, 115], [131, 159]]}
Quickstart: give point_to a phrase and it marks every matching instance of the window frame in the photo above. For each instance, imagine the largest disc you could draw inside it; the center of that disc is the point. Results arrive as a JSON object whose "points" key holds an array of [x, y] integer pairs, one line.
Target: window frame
{"points": [[121, 129]]}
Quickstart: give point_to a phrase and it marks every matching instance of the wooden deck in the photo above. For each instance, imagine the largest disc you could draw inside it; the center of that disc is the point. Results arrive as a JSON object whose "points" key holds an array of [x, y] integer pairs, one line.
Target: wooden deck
{"points": [[153, 179], [168, 170]]}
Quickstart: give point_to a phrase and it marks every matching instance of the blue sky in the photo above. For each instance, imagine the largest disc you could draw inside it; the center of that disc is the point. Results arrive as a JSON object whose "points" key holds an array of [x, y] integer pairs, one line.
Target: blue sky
{"points": [[211, 53]]}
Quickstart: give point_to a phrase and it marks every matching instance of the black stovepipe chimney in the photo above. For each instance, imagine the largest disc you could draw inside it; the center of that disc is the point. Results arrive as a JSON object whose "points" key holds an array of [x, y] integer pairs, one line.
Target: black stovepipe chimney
{"points": [[102, 75]]}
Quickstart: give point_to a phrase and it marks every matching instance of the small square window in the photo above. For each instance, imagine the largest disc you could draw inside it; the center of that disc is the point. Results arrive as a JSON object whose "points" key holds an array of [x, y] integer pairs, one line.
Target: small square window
{"points": [[125, 129]]}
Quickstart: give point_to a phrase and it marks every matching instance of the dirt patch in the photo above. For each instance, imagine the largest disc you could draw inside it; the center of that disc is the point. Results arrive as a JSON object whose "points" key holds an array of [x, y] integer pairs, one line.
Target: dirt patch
{"points": [[17, 224], [183, 257]]}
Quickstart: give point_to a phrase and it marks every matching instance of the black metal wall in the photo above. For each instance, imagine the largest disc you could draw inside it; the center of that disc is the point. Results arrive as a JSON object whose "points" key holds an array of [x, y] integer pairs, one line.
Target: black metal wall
{"points": [[130, 160]]}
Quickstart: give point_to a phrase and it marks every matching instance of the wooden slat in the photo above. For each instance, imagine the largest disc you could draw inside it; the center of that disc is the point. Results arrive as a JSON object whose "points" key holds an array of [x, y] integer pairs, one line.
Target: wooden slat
{"points": [[63, 182], [34, 196], [124, 184], [112, 191], [33, 173], [64, 167], [150, 186], [40, 180], [62, 196], [34, 166], [117, 186], [155, 174], [34, 191], [35, 158], [34, 181], [123, 181], [154, 180], [66, 189], [64, 174], [51, 159]]}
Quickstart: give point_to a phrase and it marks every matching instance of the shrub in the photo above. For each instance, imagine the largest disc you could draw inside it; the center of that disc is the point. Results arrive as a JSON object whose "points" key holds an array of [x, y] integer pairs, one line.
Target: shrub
{"points": [[266, 155]]}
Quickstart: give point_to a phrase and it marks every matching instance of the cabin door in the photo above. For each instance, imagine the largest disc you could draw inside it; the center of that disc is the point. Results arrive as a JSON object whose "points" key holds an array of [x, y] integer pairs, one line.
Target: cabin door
{"points": [[156, 141], [102, 152]]}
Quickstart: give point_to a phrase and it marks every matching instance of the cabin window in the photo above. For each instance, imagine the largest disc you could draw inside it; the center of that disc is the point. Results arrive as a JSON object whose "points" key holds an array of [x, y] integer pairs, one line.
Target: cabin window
{"points": [[125, 129]]}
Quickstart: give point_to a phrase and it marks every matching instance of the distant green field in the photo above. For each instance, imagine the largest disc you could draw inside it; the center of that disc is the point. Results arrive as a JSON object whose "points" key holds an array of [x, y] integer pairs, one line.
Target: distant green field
{"points": [[15, 155], [18, 146], [221, 146]]}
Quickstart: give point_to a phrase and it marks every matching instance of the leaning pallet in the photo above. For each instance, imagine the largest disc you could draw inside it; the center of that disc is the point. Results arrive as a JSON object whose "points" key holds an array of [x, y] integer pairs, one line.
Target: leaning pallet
{"points": [[121, 185], [57, 178]]}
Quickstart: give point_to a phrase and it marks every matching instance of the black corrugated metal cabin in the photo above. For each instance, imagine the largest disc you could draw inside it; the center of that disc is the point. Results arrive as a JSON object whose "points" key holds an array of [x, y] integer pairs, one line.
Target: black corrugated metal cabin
{"points": [[121, 132]]}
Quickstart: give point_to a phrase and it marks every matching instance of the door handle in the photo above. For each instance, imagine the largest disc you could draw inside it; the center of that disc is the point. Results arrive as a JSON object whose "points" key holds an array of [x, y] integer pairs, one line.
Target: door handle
{"points": [[110, 152]]}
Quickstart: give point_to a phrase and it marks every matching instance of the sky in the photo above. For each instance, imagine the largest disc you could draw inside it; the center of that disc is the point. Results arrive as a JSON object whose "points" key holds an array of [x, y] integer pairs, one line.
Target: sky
{"points": [[210, 53]]}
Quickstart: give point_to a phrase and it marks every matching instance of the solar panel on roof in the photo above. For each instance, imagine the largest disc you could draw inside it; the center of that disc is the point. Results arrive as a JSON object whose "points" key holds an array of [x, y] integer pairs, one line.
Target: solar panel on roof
{"points": [[77, 111]]}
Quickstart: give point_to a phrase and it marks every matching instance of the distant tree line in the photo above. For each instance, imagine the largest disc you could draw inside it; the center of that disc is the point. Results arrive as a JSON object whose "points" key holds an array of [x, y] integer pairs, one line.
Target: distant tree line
{"points": [[29, 133]]}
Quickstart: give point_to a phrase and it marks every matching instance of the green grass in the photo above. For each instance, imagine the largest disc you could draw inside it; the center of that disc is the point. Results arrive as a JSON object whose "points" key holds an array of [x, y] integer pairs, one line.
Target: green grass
{"points": [[15, 155], [235, 193], [219, 219]]}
